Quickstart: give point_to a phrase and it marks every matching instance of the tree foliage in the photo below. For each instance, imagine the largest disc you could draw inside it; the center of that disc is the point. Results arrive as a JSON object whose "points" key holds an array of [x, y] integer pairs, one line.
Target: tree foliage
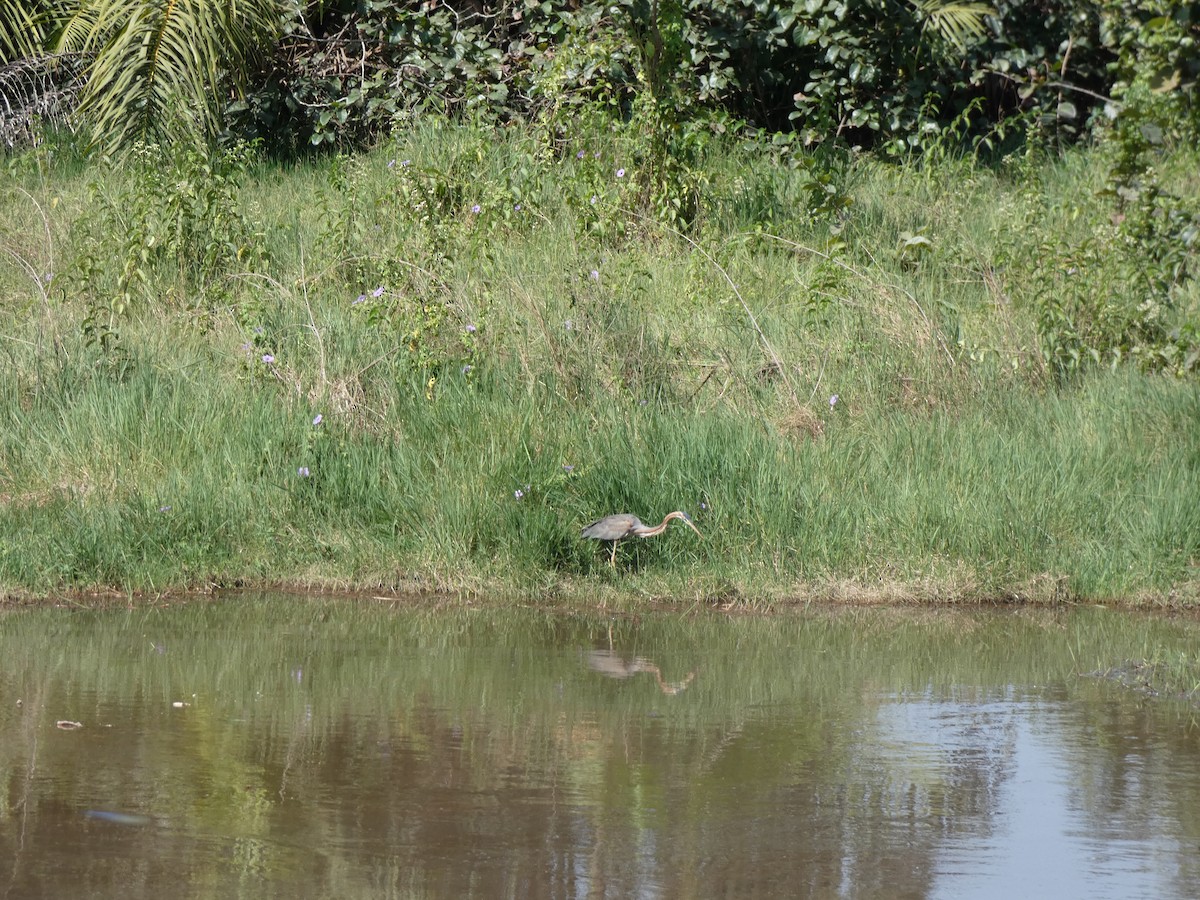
{"points": [[335, 72], [162, 70], [24, 28]]}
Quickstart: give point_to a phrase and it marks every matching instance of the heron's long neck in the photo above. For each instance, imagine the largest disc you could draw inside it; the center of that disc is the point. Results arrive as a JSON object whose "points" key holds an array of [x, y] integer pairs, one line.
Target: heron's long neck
{"points": [[660, 527]]}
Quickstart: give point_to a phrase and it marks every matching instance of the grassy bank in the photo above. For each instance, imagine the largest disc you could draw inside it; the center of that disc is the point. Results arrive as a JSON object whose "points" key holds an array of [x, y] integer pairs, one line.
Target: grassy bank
{"points": [[430, 366]]}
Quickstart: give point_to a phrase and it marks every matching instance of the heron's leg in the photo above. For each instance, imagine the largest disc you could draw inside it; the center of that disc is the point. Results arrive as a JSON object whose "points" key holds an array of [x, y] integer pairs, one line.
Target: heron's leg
{"points": [[613, 559]]}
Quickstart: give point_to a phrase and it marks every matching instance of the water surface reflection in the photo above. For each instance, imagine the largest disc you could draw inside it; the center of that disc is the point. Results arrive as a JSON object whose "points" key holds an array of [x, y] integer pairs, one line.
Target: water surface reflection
{"points": [[281, 747], [613, 664]]}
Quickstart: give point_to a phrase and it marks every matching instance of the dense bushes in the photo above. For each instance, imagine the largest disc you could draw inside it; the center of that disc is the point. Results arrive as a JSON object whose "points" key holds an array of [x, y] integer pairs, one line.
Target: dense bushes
{"points": [[872, 72], [880, 73]]}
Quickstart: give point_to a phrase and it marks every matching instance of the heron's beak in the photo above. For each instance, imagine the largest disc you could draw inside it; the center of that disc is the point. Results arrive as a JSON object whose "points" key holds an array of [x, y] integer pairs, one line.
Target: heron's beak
{"points": [[692, 525]]}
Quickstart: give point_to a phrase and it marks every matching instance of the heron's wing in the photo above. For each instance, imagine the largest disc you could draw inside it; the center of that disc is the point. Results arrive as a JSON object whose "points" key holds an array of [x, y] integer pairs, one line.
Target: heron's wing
{"points": [[612, 528]]}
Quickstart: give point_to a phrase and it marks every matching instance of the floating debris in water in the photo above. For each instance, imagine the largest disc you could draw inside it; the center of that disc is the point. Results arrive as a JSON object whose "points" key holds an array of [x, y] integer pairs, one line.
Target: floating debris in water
{"points": [[68, 725], [180, 704]]}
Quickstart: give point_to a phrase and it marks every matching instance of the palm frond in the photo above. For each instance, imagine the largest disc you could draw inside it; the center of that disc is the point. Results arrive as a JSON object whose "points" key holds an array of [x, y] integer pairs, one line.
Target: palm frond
{"points": [[80, 31], [957, 23], [160, 65], [25, 27]]}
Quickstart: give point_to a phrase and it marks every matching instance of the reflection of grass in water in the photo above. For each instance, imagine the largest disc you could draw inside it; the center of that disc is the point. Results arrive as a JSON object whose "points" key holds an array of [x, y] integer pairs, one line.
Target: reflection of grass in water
{"points": [[297, 700], [1166, 675], [329, 658]]}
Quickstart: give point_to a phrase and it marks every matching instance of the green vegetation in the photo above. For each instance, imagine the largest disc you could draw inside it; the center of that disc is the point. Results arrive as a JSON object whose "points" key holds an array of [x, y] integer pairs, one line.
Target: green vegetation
{"points": [[874, 73], [429, 365], [897, 299]]}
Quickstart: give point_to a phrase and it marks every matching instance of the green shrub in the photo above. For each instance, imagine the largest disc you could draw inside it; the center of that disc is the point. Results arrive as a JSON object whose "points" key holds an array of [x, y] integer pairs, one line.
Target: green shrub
{"points": [[177, 221]]}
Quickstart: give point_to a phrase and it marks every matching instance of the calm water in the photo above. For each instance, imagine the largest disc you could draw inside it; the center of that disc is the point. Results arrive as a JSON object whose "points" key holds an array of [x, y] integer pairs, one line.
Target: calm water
{"points": [[261, 747]]}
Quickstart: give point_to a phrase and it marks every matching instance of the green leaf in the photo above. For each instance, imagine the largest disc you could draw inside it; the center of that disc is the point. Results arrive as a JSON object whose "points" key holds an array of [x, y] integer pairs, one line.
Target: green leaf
{"points": [[956, 23], [23, 29], [162, 70]]}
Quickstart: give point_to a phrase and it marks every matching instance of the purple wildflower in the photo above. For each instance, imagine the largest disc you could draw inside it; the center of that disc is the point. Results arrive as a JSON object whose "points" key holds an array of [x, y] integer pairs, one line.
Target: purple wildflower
{"points": [[471, 329], [620, 173], [164, 509], [268, 358], [568, 469], [580, 155], [517, 207], [518, 494], [476, 208], [378, 292], [302, 471], [391, 163], [595, 274], [833, 401], [362, 298], [466, 370], [568, 324], [318, 419]]}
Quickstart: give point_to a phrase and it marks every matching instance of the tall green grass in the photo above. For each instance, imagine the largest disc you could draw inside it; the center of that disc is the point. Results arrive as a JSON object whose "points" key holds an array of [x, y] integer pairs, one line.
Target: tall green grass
{"points": [[523, 374]]}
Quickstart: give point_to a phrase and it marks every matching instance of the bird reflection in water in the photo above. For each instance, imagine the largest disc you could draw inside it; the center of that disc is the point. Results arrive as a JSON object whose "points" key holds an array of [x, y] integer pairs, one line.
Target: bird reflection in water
{"points": [[612, 664]]}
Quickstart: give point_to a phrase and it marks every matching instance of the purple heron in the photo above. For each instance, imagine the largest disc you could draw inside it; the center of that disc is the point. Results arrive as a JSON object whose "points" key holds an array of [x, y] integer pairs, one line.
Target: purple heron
{"points": [[623, 525]]}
